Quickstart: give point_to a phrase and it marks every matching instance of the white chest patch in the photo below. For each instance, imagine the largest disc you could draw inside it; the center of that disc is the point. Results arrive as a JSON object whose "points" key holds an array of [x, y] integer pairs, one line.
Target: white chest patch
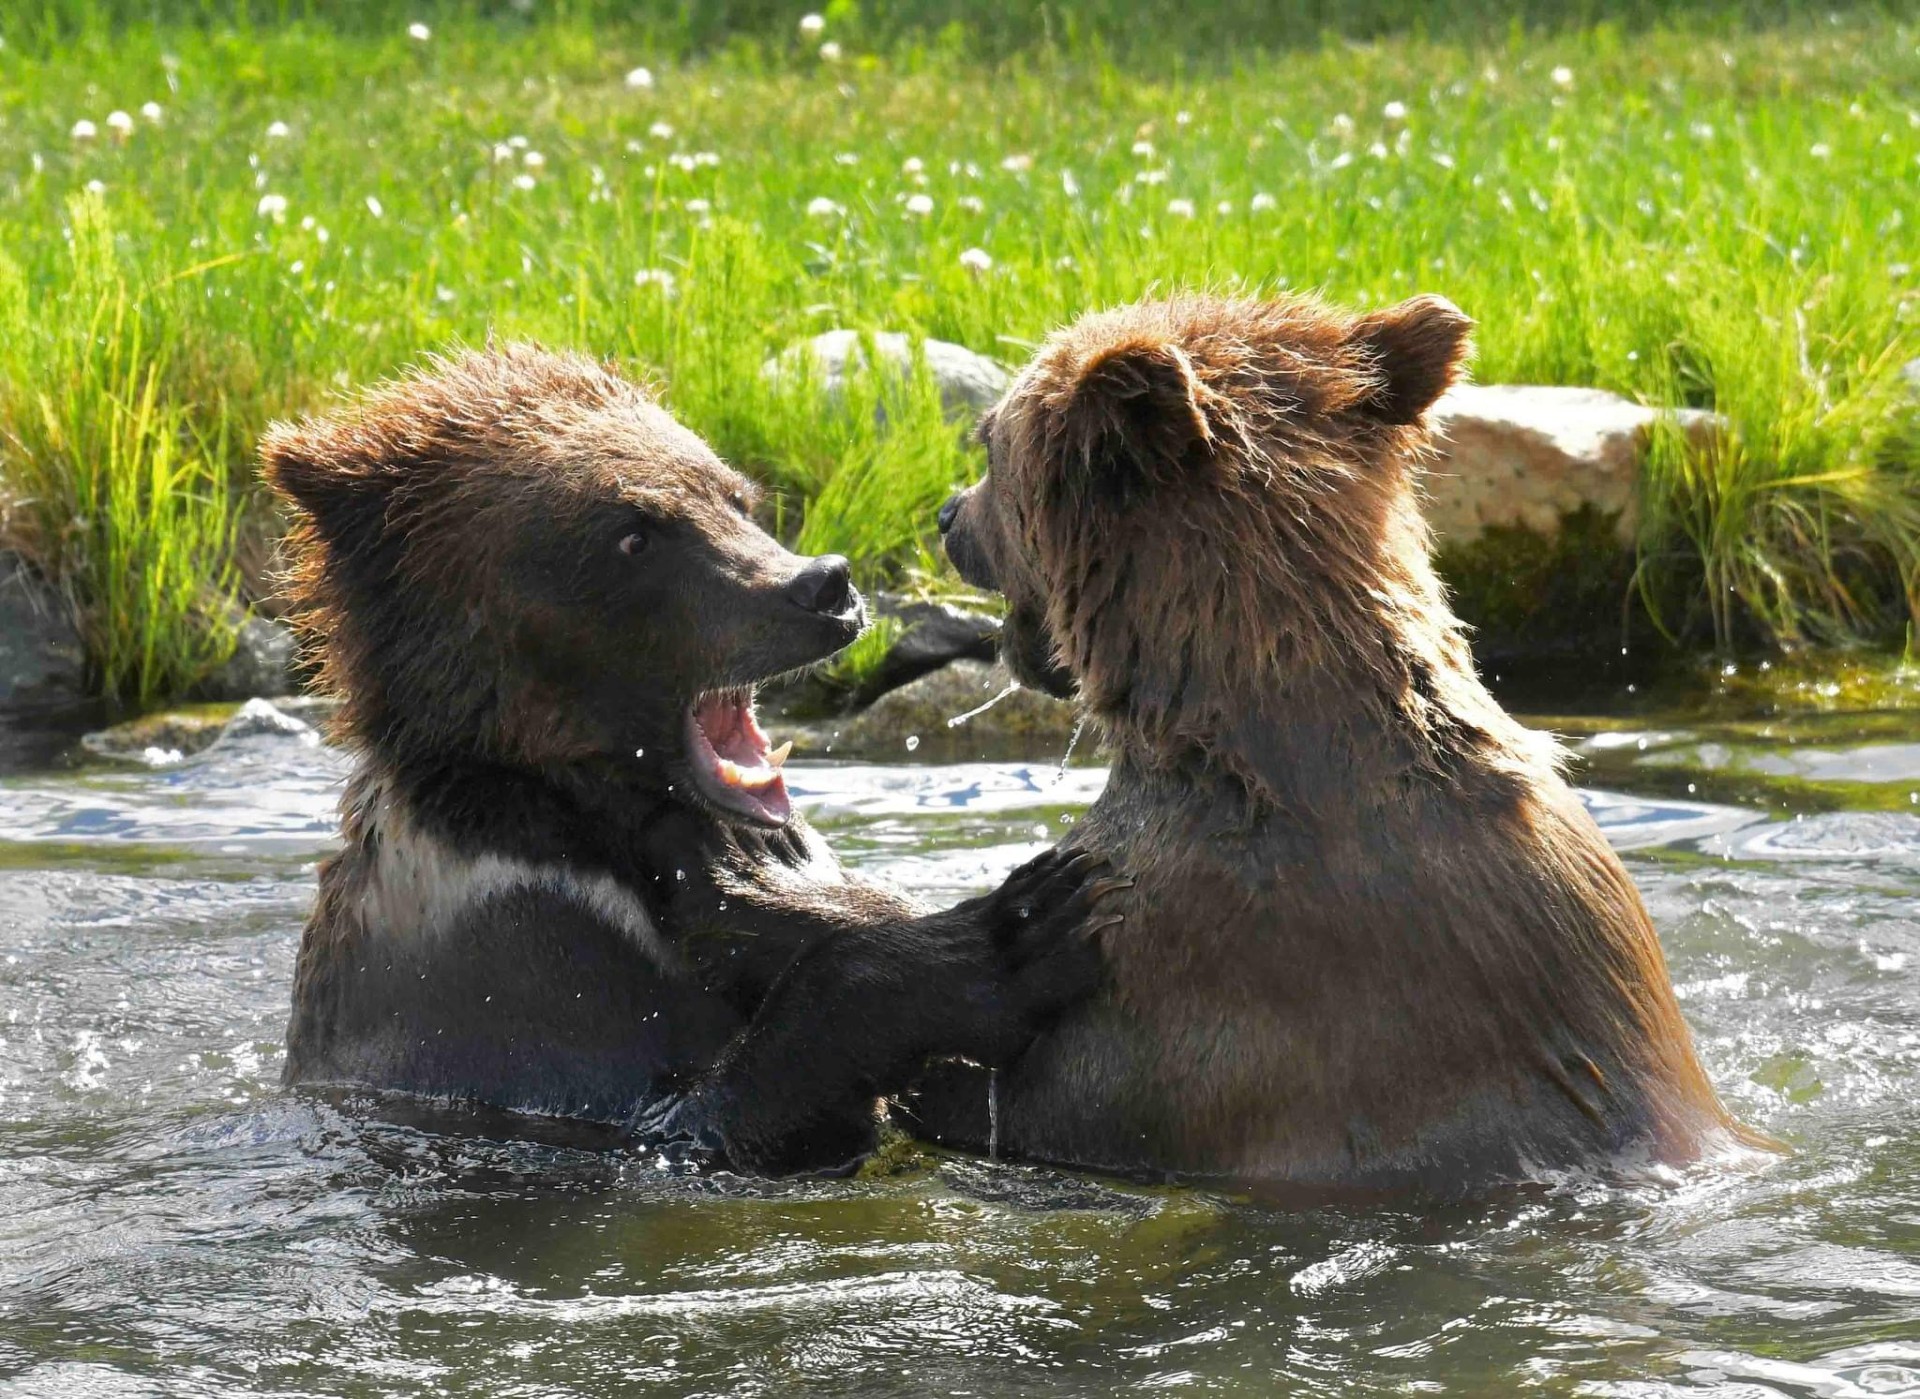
{"points": [[420, 887]]}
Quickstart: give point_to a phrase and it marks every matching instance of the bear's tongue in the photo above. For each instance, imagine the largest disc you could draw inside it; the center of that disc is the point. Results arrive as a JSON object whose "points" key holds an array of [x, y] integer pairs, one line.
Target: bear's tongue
{"points": [[732, 760]]}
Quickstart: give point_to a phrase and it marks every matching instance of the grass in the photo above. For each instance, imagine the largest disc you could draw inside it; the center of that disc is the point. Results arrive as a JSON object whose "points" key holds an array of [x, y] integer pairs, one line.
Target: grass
{"points": [[1704, 206]]}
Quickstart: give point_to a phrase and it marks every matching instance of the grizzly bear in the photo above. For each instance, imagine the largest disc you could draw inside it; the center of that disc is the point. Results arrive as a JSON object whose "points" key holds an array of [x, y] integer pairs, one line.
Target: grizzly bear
{"points": [[573, 882], [1375, 940]]}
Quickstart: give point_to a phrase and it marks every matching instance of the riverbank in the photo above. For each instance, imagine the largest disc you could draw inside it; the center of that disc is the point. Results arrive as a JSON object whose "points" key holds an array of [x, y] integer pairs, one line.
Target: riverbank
{"points": [[207, 226]]}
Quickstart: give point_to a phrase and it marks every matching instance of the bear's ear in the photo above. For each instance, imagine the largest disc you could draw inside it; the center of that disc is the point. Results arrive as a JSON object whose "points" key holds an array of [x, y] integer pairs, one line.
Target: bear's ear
{"points": [[1133, 415], [1417, 348], [342, 489]]}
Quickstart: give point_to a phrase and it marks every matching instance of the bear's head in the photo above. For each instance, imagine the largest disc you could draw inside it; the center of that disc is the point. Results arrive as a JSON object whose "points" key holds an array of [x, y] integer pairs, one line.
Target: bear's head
{"points": [[1202, 513], [518, 557]]}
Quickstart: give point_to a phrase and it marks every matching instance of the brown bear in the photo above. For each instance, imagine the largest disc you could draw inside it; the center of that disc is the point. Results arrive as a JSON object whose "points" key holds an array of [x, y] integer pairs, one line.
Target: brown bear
{"points": [[573, 882], [1376, 941]]}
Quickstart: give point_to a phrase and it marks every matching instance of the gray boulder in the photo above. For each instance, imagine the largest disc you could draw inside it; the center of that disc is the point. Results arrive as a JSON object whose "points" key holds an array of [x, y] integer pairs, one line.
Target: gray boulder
{"points": [[933, 634], [42, 660], [914, 721], [261, 666], [969, 383], [1528, 455]]}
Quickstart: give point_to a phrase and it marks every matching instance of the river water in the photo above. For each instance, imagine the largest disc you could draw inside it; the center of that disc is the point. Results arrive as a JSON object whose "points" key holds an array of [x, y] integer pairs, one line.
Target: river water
{"points": [[172, 1222]]}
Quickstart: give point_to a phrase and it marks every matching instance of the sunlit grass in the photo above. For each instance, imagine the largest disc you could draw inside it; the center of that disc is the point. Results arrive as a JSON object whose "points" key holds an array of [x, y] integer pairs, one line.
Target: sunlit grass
{"points": [[106, 483], [1710, 215]]}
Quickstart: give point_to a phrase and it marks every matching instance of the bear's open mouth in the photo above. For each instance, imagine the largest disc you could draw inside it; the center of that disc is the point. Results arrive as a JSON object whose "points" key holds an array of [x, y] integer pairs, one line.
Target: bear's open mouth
{"points": [[734, 765]]}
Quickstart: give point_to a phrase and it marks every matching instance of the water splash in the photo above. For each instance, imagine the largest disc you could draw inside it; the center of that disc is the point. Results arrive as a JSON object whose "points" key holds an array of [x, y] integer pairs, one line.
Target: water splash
{"points": [[1073, 741], [957, 720]]}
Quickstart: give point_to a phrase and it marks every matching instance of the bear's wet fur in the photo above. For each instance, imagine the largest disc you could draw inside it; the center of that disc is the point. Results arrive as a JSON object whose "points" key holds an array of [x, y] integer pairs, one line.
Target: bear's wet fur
{"points": [[572, 883], [1376, 941]]}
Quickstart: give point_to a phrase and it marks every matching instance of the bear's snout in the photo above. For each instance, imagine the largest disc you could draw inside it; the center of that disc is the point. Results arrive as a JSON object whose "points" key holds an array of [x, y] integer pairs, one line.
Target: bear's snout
{"points": [[824, 586], [969, 560]]}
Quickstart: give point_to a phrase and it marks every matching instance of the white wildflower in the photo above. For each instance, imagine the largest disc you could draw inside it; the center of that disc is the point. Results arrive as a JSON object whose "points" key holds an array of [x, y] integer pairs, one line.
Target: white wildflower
{"points": [[376, 208], [699, 206], [419, 32], [1182, 118], [520, 181], [1180, 208], [972, 203], [976, 260], [272, 206], [1068, 185], [1820, 150], [655, 277], [278, 131], [534, 160], [640, 79], [84, 130], [1342, 124], [120, 124], [1151, 177], [1377, 151], [1394, 111], [1562, 76], [847, 158], [1143, 149], [519, 143], [821, 207], [920, 205], [151, 111], [1017, 163], [1223, 208], [830, 52], [1262, 203], [812, 26], [96, 186], [707, 158], [913, 165], [660, 131], [502, 153]]}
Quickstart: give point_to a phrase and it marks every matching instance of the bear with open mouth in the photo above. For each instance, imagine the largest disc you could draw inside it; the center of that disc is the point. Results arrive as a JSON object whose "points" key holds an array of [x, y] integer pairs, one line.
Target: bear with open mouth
{"points": [[573, 882], [1375, 940]]}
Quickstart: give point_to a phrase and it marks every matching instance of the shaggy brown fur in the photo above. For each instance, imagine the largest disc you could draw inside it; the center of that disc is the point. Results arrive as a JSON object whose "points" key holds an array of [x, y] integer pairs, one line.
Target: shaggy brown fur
{"points": [[1375, 939], [571, 882]]}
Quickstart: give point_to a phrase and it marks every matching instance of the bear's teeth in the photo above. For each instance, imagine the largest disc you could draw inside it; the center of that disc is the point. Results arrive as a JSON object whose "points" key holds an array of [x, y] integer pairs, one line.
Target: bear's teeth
{"points": [[752, 778], [777, 759]]}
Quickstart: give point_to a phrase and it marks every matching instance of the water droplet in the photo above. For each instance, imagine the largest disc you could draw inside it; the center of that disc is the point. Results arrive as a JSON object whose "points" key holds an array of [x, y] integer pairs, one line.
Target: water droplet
{"points": [[1040, 832], [639, 752], [913, 742], [680, 875]]}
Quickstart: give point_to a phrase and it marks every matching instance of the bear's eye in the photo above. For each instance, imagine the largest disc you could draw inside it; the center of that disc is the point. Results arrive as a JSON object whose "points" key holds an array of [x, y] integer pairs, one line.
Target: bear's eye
{"points": [[739, 502], [633, 544]]}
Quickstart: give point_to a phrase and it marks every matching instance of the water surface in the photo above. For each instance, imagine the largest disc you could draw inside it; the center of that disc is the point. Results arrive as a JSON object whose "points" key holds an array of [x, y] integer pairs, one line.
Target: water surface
{"points": [[172, 1223]]}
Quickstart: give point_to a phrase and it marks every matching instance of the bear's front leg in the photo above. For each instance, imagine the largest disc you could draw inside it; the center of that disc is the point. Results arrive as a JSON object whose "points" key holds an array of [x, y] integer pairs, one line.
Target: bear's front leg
{"points": [[855, 1017]]}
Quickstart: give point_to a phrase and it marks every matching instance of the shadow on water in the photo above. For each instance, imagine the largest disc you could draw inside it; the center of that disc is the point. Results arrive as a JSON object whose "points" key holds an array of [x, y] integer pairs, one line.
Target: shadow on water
{"points": [[172, 1222]]}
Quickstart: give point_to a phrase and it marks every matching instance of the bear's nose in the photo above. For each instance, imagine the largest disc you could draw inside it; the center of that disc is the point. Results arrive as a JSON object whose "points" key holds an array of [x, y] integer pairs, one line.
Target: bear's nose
{"points": [[825, 585], [947, 512]]}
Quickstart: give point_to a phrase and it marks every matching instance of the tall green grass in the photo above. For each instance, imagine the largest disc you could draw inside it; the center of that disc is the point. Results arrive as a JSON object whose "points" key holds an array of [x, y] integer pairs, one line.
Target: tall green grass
{"points": [[106, 483], [1707, 207]]}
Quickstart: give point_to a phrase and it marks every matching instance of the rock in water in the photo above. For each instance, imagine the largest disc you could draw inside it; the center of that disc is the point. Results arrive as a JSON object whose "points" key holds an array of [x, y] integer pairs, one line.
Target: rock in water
{"points": [[41, 658], [261, 666], [969, 383], [932, 635], [1024, 724]]}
